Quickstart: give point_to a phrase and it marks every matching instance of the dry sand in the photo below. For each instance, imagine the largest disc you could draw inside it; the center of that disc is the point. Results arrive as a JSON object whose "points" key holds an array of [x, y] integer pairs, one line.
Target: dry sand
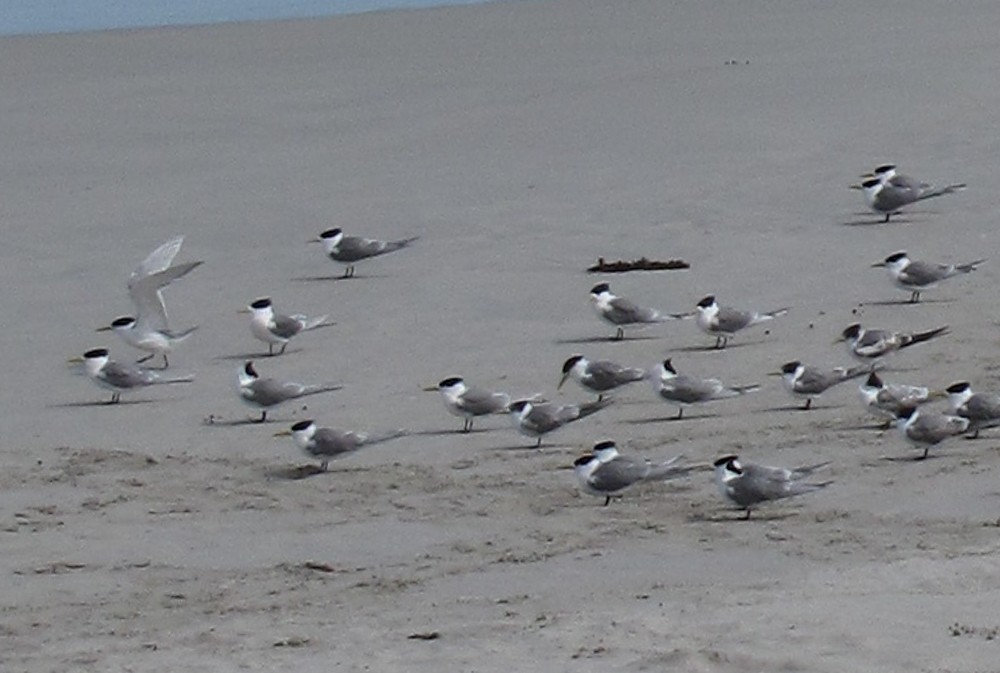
{"points": [[521, 141]]}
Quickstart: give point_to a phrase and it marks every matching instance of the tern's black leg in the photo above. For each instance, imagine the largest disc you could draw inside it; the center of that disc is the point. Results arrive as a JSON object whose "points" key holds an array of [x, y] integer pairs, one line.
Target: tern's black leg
{"points": [[148, 357], [607, 500]]}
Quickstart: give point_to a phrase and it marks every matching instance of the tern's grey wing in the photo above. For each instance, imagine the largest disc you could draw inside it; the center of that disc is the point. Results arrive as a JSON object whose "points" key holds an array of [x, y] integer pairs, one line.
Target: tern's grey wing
{"points": [[286, 326], [934, 428], [328, 443], [617, 474], [875, 342], [902, 395], [814, 381], [624, 312], [479, 402], [151, 312], [607, 375], [353, 248], [890, 198], [126, 376], [919, 273], [687, 389], [982, 407], [906, 182], [732, 320], [760, 483], [157, 261], [268, 392], [544, 418]]}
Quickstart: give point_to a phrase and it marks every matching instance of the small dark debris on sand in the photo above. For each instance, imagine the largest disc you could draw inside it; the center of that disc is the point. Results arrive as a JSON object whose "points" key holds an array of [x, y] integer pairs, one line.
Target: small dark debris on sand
{"points": [[641, 264]]}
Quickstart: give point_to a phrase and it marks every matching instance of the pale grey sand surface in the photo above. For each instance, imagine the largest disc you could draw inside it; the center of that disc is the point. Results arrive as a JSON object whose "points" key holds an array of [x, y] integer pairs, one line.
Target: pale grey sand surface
{"points": [[520, 141]]}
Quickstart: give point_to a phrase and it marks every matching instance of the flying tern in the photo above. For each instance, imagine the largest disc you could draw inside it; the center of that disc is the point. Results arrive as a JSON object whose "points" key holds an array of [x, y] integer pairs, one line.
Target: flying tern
{"points": [[266, 393], [326, 444], [275, 329], [807, 382], [349, 250], [747, 485], [686, 390], [119, 378], [467, 402], [148, 329], [598, 376], [606, 473], [723, 322], [535, 419], [915, 276]]}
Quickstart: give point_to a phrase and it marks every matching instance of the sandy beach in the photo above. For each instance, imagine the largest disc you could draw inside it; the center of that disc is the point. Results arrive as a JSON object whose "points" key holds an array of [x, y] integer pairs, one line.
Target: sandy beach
{"points": [[520, 141]]}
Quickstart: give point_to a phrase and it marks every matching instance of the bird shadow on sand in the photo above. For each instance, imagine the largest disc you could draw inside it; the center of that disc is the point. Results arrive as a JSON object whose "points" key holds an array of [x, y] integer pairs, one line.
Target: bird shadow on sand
{"points": [[214, 421], [880, 428], [711, 348], [601, 340], [918, 458], [337, 277], [262, 355], [905, 302], [294, 472], [739, 516], [451, 432], [799, 407], [100, 403], [673, 418]]}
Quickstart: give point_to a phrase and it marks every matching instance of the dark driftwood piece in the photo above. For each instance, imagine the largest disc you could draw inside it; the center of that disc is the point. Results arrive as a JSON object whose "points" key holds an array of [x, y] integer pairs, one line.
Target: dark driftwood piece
{"points": [[641, 264]]}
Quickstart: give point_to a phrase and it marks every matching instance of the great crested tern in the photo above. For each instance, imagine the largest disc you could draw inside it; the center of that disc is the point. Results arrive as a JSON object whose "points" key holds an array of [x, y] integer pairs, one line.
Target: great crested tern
{"points": [[806, 382], [148, 329], [746, 485], [982, 409], [620, 311], [326, 444], [467, 402], [275, 329], [686, 390], [349, 250], [119, 378], [723, 322], [535, 419], [598, 376], [886, 191], [915, 276], [869, 345], [924, 429], [266, 393], [606, 473], [887, 400]]}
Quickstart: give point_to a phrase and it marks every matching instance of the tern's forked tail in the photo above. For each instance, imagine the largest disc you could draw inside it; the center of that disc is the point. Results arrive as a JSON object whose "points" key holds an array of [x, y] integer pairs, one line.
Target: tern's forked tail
{"points": [[186, 378], [941, 191], [588, 408], [388, 435], [320, 388], [920, 337]]}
